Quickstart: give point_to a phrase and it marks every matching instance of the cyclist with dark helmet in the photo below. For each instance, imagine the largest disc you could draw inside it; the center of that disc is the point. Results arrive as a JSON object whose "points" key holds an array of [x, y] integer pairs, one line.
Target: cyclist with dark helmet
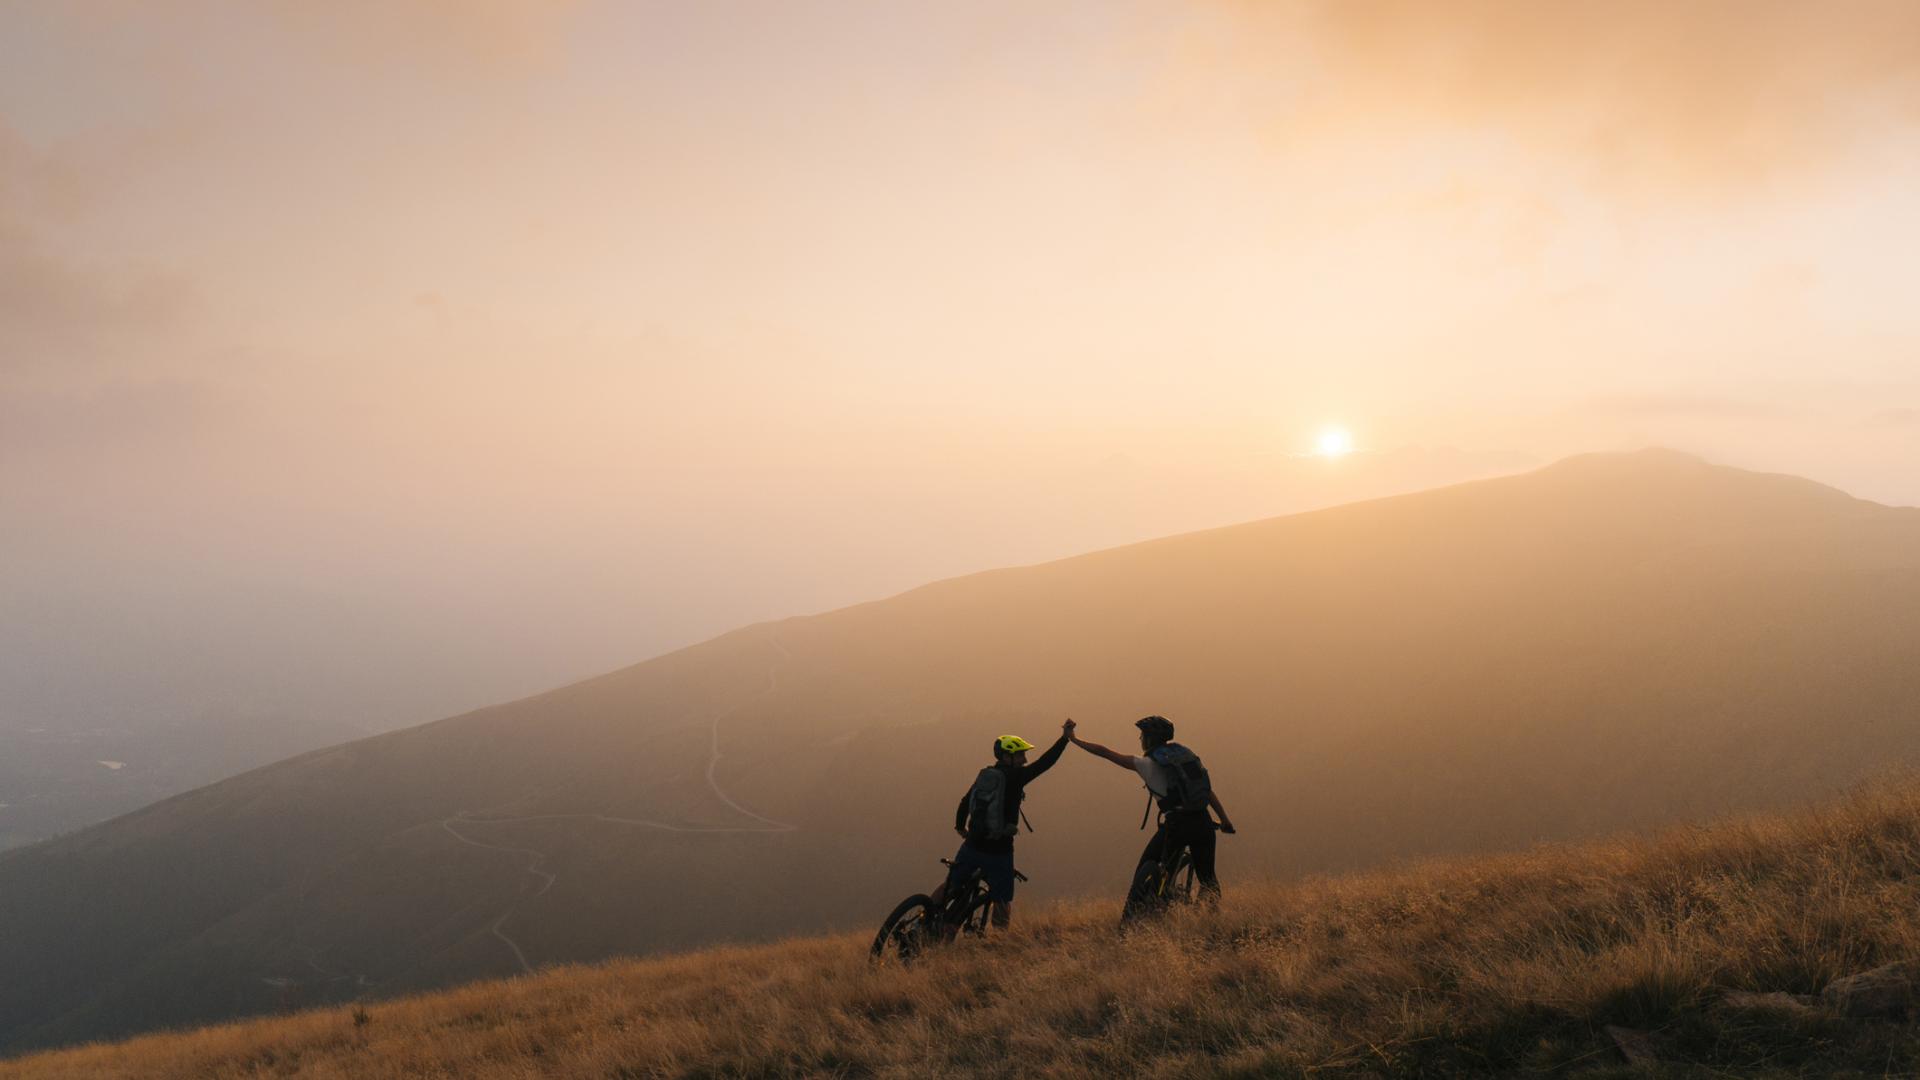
{"points": [[989, 818], [1184, 792]]}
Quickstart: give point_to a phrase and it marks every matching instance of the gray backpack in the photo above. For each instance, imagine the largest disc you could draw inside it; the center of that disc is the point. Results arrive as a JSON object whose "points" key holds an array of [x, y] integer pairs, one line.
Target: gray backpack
{"points": [[987, 816], [1188, 785]]}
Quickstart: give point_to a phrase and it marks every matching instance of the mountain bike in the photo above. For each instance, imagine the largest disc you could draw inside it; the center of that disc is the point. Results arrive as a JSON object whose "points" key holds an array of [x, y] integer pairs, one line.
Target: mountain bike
{"points": [[1163, 883], [917, 924]]}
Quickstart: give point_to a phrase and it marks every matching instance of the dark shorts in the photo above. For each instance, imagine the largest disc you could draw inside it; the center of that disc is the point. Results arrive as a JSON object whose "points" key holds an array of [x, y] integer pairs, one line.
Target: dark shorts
{"points": [[998, 867]]}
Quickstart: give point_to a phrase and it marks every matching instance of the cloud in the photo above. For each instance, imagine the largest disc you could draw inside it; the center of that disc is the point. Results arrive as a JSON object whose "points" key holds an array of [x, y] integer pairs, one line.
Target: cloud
{"points": [[1677, 405], [38, 183], [491, 33], [1641, 92], [106, 417], [488, 35], [55, 311]]}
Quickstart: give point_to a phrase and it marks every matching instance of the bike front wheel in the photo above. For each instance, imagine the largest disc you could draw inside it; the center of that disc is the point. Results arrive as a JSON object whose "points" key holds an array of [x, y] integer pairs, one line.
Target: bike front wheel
{"points": [[907, 931], [1148, 894], [1180, 884]]}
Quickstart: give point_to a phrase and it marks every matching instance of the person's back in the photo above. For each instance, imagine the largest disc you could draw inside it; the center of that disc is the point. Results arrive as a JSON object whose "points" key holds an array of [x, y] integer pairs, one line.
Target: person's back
{"points": [[988, 818], [1185, 786], [990, 809]]}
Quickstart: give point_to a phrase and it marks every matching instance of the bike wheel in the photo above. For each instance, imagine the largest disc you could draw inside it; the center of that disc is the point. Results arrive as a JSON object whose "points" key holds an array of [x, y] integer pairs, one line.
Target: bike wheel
{"points": [[907, 931], [1180, 886], [1146, 897]]}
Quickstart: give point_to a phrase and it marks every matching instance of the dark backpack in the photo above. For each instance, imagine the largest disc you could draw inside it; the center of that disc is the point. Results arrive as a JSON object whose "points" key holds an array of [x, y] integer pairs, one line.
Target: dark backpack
{"points": [[987, 811], [1188, 785]]}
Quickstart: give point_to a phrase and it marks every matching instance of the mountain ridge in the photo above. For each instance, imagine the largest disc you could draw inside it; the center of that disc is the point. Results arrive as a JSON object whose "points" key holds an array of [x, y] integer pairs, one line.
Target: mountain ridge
{"points": [[1461, 653]]}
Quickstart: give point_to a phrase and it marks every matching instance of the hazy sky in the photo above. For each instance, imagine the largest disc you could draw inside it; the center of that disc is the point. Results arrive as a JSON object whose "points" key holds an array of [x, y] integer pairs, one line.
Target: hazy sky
{"points": [[378, 359]]}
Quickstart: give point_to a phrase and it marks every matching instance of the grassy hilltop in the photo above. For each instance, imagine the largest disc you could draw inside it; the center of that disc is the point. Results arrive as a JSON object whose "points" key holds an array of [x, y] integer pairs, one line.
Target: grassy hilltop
{"points": [[1514, 963], [1614, 642]]}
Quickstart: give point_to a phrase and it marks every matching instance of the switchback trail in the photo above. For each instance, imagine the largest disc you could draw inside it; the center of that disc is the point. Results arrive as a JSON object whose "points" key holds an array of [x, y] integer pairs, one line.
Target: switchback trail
{"points": [[537, 861], [713, 759], [312, 958]]}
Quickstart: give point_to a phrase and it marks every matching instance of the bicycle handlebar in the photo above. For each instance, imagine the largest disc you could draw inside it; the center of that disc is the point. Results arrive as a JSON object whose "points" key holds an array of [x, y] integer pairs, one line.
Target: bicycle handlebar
{"points": [[948, 863]]}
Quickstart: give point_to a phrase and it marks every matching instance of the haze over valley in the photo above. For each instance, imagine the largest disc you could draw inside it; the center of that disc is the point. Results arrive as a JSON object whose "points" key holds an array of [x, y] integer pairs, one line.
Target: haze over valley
{"points": [[495, 485], [1613, 641], [54, 781], [213, 674], [361, 365]]}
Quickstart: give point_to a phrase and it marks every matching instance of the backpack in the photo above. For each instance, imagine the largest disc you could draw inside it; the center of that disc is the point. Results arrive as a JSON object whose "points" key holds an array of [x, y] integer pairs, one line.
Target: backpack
{"points": [[1188, 785], [987, 817]]}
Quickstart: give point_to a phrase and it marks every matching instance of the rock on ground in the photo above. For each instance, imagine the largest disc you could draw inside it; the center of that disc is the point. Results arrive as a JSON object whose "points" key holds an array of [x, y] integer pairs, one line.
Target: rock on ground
{"points": [[1885, 992]]}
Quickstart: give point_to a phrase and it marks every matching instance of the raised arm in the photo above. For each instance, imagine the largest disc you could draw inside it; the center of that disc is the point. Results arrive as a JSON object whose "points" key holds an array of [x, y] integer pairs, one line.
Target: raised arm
{"points": [[1052, 754], [1125, 761]]}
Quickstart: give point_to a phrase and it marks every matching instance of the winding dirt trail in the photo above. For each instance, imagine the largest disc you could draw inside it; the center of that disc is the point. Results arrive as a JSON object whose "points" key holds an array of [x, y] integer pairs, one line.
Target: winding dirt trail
{"points": [[536, 862], [713, 760], [312, 958], [532, 867]]}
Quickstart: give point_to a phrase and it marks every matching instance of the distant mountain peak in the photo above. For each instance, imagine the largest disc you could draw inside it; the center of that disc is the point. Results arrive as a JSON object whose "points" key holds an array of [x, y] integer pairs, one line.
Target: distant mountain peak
{"points": [[1652, 457], [1663, 468]]}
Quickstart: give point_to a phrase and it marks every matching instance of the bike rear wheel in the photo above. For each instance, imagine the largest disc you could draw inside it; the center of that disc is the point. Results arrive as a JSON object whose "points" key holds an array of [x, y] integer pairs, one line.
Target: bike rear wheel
{"points": [[907, 931]]}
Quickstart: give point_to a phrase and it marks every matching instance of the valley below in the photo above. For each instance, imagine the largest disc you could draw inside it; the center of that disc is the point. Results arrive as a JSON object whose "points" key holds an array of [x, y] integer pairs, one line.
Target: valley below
{"points": [[1616, 642]]}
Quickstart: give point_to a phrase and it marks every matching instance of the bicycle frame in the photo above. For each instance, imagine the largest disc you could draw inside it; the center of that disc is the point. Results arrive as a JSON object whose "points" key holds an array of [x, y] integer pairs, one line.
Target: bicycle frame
{"points": [[1170, 881], [965, 909], [969, 896]]}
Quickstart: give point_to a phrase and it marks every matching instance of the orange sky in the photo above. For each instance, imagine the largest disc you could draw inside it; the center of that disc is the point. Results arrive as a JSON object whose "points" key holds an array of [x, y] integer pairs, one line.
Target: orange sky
{"points": [[393, 357]]}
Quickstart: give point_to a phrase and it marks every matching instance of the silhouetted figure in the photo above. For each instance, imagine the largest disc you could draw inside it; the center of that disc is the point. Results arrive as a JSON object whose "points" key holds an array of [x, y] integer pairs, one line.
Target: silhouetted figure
{"points": [[1182, 788], [989, 818]]}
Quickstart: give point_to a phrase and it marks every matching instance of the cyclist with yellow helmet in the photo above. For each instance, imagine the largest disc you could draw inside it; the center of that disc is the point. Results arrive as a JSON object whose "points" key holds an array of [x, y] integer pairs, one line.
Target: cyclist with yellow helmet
{"points": [[988, 818]]}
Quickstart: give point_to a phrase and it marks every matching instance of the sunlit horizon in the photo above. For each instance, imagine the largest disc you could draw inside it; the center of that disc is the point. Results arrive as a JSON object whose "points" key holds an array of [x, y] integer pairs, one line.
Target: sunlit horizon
{"points": [[485, 352]]}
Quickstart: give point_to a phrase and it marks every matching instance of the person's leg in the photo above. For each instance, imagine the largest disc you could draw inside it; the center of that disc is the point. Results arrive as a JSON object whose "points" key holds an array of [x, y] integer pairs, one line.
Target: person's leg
{"points": [[1143, 873], [1204, 842], [1179, 839], [1155, 847], [1000, 882], [1001, 912]]}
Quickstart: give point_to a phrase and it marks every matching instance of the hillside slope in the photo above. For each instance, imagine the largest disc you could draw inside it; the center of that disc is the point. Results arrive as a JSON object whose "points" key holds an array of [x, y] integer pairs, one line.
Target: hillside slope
{"points": [[1614, 641], [1747, 946]]}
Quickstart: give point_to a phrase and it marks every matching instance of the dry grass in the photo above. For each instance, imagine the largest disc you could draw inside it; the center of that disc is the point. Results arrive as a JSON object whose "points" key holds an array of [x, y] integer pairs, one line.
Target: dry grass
{"points": [[1508, 964]]}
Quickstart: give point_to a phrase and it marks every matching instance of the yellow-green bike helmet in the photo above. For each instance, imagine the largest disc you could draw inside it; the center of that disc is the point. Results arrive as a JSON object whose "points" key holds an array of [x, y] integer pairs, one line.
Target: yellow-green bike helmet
{"points": [[1010, 745]]}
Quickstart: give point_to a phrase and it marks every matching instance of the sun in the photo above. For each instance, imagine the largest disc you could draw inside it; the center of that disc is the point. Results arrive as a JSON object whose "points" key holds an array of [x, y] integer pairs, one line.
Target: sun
{"points": [[1334, 441]]}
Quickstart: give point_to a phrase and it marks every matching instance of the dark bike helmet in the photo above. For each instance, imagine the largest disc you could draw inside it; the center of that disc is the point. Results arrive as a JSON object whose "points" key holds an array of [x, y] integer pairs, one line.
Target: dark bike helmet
{"points": [[1157, 729]]}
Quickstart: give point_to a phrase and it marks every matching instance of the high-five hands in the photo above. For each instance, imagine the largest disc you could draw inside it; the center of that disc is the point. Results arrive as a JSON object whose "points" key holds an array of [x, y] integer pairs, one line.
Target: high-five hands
{"points": [[1068, 729]]}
